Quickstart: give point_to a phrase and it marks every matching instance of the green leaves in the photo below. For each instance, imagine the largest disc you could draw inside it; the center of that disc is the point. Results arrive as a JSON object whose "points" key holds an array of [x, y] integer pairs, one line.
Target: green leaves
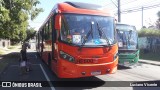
{"points": [[4, 13], [35, 13], [14, 15], [148, 33], [30, 33]]}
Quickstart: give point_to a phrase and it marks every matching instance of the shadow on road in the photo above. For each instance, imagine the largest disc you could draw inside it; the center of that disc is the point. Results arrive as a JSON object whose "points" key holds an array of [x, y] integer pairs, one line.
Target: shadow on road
{"points": [[123, 67], [74, 83], [78, 84], [7, 60], [12, 73]]}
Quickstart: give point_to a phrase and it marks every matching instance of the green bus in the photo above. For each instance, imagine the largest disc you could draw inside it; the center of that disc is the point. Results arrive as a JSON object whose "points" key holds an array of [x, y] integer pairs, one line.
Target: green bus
{"points": [[127, 44]]}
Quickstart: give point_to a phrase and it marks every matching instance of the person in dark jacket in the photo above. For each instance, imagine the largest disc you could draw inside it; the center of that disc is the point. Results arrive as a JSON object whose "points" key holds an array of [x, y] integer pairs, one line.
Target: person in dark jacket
{"points": [[24, 63], [23, 59], [23, 53]]}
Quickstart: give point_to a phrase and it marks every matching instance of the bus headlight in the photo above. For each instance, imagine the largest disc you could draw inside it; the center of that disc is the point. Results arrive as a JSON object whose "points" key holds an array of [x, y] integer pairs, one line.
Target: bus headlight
{"points": [[66, 56], [115, 56]]}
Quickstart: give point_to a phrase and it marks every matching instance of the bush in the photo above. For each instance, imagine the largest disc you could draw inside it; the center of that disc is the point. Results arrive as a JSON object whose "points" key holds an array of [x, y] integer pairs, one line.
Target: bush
{"points": [[148, 33], [11, 47]]}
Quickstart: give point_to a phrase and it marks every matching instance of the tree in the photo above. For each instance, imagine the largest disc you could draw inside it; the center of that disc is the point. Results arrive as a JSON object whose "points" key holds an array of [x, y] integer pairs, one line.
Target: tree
{"points": [[14, 15], [158, 21], [30, 33], [146, 32], [4, 17], [158, 14]]}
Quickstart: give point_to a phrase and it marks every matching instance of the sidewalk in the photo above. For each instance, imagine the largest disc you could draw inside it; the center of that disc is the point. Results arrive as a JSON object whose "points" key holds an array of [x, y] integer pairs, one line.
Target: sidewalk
{"points": [[149, 62], [7, 51]]}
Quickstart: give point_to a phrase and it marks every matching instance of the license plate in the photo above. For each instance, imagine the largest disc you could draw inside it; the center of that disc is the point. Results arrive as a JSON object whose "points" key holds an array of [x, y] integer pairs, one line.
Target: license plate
{"points": [[96, 73], [126, 62]]}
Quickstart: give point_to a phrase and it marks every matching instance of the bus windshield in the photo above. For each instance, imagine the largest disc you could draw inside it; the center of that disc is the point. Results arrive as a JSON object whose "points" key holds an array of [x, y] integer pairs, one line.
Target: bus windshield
{"points": [[127, 37], [87, 30]]}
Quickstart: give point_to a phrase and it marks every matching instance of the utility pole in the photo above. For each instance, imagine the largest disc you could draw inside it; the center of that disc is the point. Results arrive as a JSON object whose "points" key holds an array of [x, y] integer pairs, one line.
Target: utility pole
{"points": [[119, 12], [142, 16]]}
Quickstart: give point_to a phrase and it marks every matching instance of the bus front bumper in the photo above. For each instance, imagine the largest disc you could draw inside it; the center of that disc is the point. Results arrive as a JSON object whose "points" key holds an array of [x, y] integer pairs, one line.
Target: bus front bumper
{"points": [[70, 70], [128, 60]]}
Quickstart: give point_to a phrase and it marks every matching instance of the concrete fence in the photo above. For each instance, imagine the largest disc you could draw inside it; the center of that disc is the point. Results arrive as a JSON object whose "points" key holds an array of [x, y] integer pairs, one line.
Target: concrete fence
{"points": [[150, 44]]}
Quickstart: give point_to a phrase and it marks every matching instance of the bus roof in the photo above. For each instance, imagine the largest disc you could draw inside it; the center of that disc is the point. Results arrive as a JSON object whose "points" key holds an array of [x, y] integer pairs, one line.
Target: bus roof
{"points": [[83, 8], [78, 8], [127, 25], [85, 5]]}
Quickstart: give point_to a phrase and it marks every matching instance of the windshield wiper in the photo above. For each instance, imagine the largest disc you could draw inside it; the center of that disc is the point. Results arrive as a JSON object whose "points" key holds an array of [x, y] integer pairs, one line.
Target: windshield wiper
{"points": [[130, 34], [86, 38], [129, 38], [120, 34], [101, 32]]}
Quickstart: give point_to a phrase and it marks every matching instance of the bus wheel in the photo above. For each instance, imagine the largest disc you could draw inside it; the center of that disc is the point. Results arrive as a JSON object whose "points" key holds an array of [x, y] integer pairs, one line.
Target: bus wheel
{"points": [[49, 61]]}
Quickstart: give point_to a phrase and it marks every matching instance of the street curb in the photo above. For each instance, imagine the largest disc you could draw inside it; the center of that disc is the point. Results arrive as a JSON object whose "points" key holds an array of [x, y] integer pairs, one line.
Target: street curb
{"points": [[149, 63]]}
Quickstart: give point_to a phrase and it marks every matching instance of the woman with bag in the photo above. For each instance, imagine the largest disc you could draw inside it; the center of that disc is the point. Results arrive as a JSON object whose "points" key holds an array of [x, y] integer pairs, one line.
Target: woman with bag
{"points": [[23, 60]]}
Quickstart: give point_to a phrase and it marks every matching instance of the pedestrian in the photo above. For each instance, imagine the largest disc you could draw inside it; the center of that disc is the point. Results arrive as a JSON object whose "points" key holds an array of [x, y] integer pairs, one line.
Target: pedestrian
{"points": [[24, 63]]}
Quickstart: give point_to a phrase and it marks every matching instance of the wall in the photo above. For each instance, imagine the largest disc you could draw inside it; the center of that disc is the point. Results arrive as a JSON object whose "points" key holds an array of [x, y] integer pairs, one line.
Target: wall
{"points": [[4, 43], [151, 44]]}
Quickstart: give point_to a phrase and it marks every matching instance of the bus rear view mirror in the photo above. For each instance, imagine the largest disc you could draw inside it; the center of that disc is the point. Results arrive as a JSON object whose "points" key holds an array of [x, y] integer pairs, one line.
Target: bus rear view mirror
{"points": [[58, 22]]}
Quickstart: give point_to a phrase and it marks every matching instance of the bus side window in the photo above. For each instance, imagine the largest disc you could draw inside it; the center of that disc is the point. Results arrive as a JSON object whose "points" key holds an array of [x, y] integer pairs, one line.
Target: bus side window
{"points": [[44, 32], [63, 32], [54, 34], [50, 29], [47, 31]]}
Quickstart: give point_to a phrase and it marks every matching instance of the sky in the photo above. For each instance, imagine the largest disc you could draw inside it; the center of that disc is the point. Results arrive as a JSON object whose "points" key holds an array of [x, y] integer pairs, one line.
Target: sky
{"points": [[133, 18]]}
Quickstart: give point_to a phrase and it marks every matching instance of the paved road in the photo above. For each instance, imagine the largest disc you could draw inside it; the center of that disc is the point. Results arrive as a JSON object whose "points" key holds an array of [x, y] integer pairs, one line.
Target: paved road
{"points": [[40, 72]]}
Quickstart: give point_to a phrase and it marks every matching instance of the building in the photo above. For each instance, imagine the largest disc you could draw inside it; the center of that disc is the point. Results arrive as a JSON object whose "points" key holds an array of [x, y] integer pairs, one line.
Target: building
{"points": [[4, 43]]}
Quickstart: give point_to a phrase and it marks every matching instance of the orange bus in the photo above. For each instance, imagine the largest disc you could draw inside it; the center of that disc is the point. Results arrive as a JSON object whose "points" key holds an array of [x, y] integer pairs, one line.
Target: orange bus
{"points": [[78, 40]]}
